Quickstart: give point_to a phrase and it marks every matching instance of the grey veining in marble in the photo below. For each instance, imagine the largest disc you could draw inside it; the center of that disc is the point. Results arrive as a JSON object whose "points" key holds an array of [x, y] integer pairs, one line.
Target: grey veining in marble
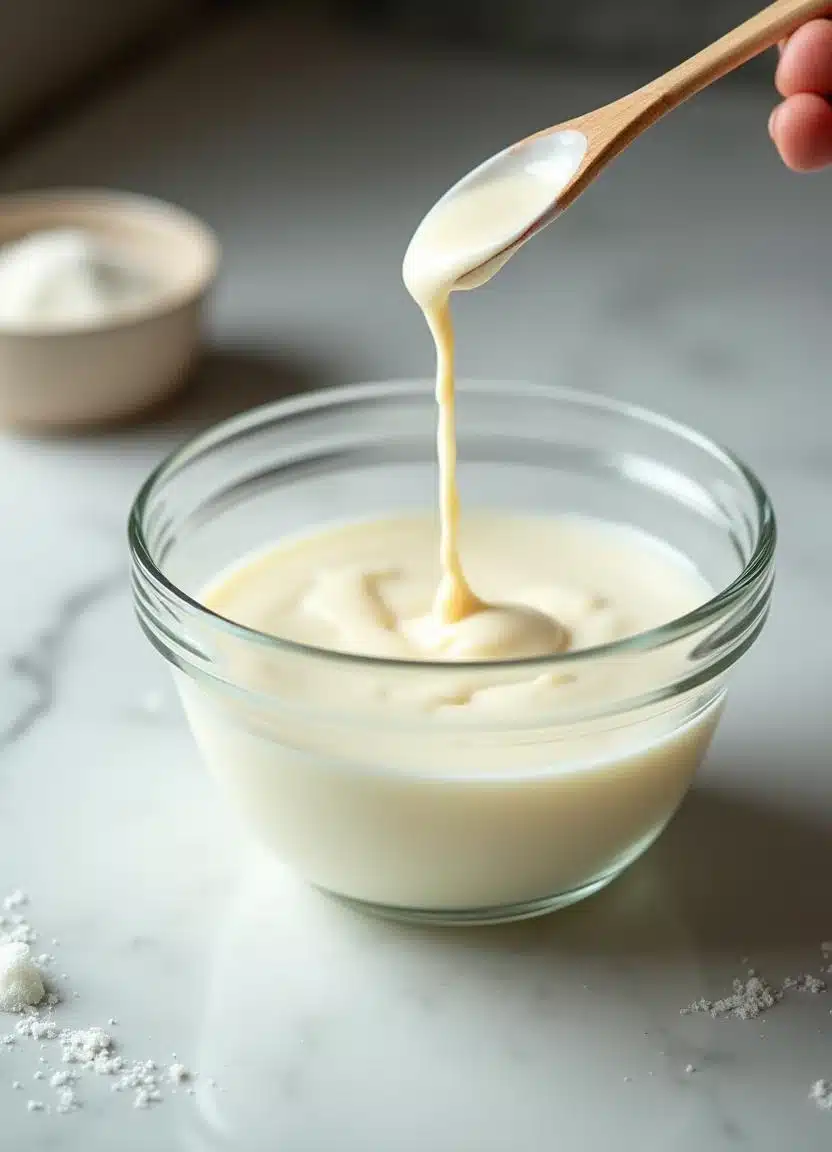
{"points": [[37, 665], [708, 299]]}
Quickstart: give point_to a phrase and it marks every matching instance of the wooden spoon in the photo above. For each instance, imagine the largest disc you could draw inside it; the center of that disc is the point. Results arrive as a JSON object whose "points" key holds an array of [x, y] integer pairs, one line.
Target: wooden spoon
{"points": [[565, 159]]}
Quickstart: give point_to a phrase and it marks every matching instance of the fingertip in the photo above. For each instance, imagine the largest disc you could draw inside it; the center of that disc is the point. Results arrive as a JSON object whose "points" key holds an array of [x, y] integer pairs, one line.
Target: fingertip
{"points": [[805, 63], [801, 129]]}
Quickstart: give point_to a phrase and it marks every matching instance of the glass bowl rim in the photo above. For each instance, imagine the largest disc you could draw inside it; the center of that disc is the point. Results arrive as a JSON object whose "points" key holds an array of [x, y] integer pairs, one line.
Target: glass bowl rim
{"points": [[250, 421]]}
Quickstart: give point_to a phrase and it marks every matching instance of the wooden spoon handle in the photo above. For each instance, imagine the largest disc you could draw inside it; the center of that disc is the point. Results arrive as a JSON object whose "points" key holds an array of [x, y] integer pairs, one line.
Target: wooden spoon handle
{"points": [[611, 129], [734, 49]]}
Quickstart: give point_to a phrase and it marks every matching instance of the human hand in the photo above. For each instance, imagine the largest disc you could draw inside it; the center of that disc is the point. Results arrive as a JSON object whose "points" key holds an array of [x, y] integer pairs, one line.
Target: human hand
{"points": [[801, 127]]}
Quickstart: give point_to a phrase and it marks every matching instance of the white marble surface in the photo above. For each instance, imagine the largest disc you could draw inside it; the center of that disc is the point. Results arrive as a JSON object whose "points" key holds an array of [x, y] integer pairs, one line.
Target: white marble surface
{"points": [[695, 278]]}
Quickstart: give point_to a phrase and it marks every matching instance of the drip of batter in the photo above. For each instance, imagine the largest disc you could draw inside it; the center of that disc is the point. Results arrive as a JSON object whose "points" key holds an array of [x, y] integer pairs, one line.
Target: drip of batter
{"points": [[461, 243], [454, 598]]}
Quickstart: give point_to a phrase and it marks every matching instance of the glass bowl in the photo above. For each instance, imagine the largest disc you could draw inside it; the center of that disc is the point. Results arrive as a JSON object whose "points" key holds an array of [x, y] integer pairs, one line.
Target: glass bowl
{"points": [[450, 817]]}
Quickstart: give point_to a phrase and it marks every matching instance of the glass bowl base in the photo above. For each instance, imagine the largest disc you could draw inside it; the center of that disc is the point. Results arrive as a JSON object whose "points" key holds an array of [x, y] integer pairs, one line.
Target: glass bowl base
{"points": [[474, 917]]}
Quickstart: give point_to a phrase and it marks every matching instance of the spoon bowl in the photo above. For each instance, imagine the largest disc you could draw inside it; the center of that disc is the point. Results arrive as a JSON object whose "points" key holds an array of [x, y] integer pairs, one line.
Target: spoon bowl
{"points": [[486, 216]]}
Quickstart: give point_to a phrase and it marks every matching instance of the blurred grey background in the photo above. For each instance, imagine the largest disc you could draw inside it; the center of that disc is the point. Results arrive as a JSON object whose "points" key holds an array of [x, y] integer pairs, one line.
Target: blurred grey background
{"points": [[603, 29], [53, 47]]}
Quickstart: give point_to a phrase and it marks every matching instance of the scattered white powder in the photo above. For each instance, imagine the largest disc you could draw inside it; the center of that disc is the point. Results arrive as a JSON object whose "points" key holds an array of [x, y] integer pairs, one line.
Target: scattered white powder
{"points": [[21, 985], [38, 1028], [68, 1101], [805, 983], [145, 1097], [749, 999], [82, 1046], [821, 1093], [107, 1065], [17, 1084], [141, 1074], [752, 997], [177, 1073], [16, 900], [86, 1051], [144, 1079], [21, 934], [690, 1069]]}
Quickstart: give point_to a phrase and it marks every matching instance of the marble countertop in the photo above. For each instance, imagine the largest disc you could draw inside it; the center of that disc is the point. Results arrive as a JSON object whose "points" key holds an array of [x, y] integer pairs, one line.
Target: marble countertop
{"points": [[695, 279]]}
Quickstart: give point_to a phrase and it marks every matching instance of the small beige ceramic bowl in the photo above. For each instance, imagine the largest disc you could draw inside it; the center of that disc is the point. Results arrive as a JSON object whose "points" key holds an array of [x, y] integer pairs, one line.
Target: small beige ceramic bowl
{"points": [[64, 375]]}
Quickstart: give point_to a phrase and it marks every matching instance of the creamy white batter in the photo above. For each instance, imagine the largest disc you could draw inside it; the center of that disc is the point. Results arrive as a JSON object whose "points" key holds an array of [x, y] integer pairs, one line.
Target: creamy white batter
{"points": [[451, 786], [367, 587]]}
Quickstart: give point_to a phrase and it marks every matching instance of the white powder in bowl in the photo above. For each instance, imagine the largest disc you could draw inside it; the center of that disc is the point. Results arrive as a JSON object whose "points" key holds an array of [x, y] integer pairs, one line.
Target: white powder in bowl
{"points": [[67, 276], [21, 985]]}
